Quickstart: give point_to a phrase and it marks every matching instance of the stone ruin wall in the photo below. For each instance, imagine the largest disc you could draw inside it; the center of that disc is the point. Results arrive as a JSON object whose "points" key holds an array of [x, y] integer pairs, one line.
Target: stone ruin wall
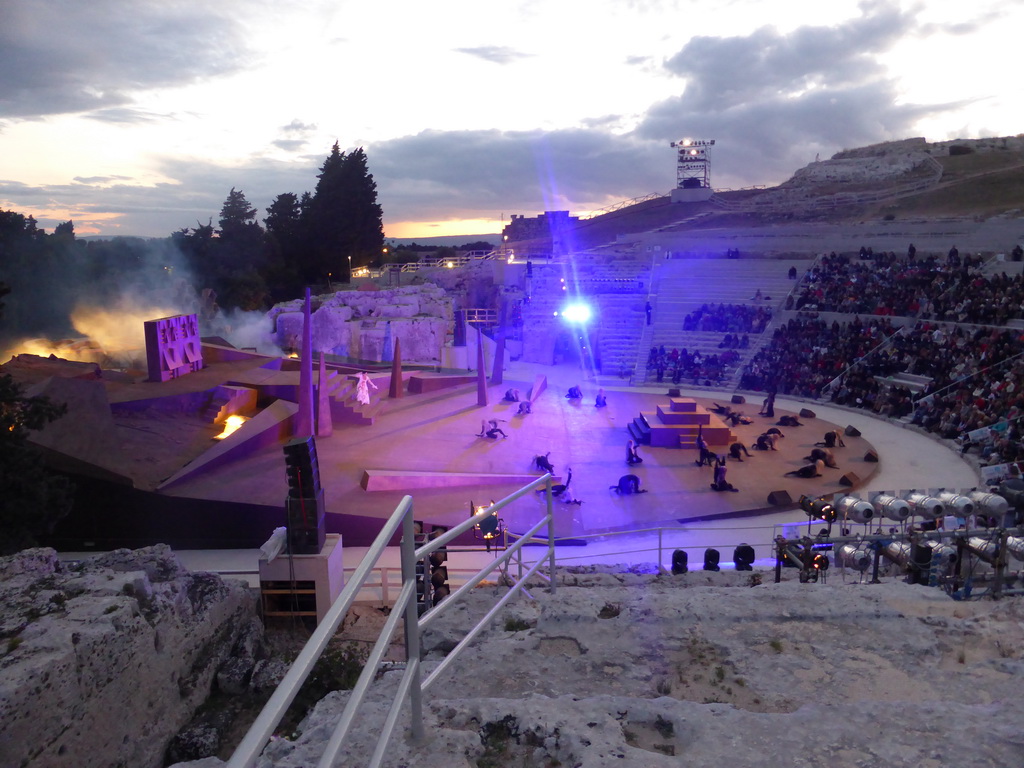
{"points": [[357, 323], [103, 661]]}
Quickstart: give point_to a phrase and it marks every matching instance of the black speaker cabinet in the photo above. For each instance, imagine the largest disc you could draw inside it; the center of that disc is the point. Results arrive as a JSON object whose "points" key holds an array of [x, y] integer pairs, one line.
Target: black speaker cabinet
{"points": [[871, 456], [850, 478], [305, 522], [779, 498], [807, 413], [738, 399], [852, 431], [302, 468]]}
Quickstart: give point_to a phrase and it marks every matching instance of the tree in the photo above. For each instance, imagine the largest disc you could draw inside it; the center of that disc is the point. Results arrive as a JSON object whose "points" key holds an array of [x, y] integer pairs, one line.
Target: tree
{"points": [[240, 255], [32, 500], [286, 245], [344, 218]]}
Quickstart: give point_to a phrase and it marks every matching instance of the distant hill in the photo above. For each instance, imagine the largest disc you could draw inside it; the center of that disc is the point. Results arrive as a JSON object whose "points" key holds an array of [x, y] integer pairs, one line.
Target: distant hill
{"points": [[446, 240], [907, 179]]}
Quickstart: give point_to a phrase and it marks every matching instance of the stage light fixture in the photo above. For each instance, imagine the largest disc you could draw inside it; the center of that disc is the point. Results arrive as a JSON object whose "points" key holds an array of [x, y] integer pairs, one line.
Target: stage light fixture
{"points": [[986, 549], [852, 508], [818, 509], [488, 526], [439, 576], [986, 503], [439, 571], [891, 507], [942, 553], [1015, 546], [899, 552], [743, 557], [957, 505], [576, 313], [711, 558], [926, 506], [679, 561], [854, 556], [441, 592]]}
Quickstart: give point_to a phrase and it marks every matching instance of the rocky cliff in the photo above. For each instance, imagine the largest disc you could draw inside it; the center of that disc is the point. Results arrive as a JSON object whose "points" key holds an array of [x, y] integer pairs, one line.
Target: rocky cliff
{"points": [[707, 669], [102, 661]]}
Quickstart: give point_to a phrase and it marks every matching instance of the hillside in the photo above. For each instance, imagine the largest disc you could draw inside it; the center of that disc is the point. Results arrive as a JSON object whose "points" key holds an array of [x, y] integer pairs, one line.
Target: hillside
{"points": [[979, 178]]}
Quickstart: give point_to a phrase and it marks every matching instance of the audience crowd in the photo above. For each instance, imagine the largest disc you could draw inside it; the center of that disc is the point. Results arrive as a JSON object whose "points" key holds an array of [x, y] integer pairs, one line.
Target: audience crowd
{"points": [[930, 288], [971, 385], [728, 318], [678, 365]]}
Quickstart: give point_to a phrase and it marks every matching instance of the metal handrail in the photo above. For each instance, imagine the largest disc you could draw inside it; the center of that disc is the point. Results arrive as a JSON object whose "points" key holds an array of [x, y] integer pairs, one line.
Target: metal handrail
{"points": [[410, 687]]}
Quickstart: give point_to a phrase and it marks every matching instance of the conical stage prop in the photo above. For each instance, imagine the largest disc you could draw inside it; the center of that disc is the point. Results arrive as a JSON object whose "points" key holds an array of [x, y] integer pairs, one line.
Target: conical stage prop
{"points": [[481, 377], [397, 388], [304, 418]]}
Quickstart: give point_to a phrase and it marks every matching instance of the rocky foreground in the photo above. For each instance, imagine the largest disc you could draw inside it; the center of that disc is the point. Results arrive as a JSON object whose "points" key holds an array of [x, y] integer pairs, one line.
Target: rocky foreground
{"points": [[103, 661], [635, 670]]}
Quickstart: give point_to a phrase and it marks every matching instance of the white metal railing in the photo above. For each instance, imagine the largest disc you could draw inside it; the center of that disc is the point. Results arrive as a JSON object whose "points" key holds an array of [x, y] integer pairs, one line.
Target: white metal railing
{"points": [[410, 687]]}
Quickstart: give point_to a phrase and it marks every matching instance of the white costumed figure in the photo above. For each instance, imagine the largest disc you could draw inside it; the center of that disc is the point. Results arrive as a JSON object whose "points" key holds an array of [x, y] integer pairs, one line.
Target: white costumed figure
{"points": [[363, 388]]}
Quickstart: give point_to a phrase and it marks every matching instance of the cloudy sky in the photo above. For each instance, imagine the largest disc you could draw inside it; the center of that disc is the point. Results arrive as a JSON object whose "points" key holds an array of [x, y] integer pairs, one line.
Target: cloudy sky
{"points": [[137, 117]]}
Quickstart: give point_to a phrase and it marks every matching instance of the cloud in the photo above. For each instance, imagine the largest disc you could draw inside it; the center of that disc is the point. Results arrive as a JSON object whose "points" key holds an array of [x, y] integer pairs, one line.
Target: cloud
{"points": [[100, 179], [441, 174], [773, 101], [496, 54], [296, 136], [59, 57], [724, 71], [297, 126], [126, 116]]}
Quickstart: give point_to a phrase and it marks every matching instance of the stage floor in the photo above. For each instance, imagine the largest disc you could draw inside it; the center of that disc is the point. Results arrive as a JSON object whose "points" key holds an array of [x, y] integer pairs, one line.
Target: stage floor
{"points": [[437, 432]]}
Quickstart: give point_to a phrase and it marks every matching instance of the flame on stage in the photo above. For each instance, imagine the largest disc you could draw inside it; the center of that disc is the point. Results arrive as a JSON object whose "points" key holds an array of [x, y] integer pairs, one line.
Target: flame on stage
{"points": [[231, 424]]}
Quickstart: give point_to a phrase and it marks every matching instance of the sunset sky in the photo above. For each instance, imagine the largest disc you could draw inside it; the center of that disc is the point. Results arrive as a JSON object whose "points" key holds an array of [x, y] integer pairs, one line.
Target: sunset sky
{"points": [[137, 117]]}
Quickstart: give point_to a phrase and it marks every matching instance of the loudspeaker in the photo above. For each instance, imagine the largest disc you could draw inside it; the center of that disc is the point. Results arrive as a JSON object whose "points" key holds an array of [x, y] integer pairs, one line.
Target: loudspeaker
{"points": [[807, 413], [778, 498], [871, 456], [674, 392], [738, 399], [305, 522], [852, 431], [302, 468], [850, 478]]}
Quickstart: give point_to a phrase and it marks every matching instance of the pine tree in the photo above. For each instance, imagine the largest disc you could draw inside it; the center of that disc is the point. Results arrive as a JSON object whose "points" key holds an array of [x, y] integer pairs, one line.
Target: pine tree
{"points": [[344, 218]]}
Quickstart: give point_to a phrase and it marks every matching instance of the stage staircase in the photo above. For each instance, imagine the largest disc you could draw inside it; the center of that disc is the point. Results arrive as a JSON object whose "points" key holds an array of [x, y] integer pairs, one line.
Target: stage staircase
{"points": [[345, 409]]}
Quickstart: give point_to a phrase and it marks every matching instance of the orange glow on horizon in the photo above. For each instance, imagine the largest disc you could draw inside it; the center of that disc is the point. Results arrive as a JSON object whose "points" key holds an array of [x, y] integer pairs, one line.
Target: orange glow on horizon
{"points": [[471, 228], [90, 223]]}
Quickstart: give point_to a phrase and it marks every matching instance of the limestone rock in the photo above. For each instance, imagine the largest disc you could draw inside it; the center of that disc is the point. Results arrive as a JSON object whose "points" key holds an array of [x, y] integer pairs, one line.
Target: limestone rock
{"points": [[105, 659], [357, 323], [646, 671]]}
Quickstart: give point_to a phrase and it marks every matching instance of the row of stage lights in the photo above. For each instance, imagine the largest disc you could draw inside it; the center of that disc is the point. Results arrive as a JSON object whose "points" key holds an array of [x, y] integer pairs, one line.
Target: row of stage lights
{"points": [[900, 509], [919, 553]]}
